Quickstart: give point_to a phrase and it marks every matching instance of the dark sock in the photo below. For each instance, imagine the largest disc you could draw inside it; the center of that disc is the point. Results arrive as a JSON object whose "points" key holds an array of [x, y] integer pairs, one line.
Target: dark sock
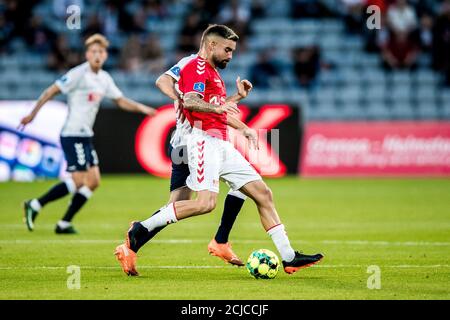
{"points": [[57, 191], [142, 236], [77, 202], [230, 211]]}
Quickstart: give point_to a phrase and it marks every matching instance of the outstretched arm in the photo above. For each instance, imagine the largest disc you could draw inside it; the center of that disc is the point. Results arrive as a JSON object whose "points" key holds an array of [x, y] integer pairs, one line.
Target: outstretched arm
{"points": [[48, 94], [133, 106]]}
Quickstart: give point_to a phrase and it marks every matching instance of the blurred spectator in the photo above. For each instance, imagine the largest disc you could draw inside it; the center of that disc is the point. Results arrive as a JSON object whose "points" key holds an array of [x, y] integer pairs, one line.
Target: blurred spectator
{"points": [[152, 55], [114, 18], [426, 32], [93, 26], [400, 51], [155, 11], [236, 15], [60, 7], [142, 54], [306, 65], [39, 37], [382, 4], [267, 71], [131, 55], [353, 15], [190, 33], [6, 32], [375, 38], [207, 11], [309, 9], [18, 13], [258, 9], [441, 41], [62, 57], [401, 17]]}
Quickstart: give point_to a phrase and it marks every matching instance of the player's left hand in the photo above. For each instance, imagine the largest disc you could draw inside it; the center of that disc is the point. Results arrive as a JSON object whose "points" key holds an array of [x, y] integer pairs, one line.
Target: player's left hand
{"points": [[243, 86], [178, 104], [149, 111], [252, 137]]}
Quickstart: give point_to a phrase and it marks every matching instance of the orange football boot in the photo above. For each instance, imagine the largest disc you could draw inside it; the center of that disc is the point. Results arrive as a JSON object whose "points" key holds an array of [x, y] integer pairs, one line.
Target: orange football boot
{"points": [[127, 259], [224, 252]]}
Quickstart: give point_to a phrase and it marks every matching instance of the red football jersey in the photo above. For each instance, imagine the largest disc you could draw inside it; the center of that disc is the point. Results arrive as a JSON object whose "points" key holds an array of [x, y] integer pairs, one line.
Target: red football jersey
{"points": [[200, 77]]}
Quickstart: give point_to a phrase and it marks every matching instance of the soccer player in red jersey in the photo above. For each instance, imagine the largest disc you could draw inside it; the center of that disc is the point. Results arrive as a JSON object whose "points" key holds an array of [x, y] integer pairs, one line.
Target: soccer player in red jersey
{"points": [[211, 157], [168, 84]]}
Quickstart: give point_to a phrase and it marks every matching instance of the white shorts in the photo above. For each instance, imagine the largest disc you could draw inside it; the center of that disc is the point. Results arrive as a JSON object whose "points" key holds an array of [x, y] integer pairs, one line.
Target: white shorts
{"points": [[211, 159]]}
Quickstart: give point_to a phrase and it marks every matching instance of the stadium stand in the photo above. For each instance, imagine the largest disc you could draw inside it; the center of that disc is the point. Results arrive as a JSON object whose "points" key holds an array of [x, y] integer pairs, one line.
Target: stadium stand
{"points": [[350, 82]]}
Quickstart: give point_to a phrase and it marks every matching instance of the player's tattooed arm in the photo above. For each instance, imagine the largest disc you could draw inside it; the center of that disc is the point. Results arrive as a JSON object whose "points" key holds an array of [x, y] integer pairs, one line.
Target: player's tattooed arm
{"points": [[243, 89], [166, 84], [133, 106], [47, 95], [194, 102]]}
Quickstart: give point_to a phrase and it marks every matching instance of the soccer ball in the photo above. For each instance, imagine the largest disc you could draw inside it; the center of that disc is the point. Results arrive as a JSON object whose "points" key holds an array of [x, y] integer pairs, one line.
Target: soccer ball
{"points": [[263, 264]]}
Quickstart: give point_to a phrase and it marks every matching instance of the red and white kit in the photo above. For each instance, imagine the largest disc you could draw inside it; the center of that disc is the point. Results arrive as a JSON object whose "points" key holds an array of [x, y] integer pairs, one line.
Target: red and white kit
{"points": [[210, 155]]}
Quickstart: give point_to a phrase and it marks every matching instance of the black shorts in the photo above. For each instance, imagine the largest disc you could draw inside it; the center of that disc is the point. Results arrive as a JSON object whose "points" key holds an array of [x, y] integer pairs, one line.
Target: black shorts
{"points": [[79, 152], [180, 167]]}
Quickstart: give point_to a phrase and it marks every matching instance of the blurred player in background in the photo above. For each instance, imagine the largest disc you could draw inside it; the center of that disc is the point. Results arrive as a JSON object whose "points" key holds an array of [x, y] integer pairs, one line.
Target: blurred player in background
{"points": [[219, 246], [211, 156], [85, 86]]}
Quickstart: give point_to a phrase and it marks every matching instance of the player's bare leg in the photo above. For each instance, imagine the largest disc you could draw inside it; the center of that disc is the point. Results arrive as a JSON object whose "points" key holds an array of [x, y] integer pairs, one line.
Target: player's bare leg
{"points": [[183, 193], [262, 195]]}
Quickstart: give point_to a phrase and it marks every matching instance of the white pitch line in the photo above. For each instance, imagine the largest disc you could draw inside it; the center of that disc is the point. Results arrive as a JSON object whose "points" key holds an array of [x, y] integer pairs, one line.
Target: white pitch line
{"points": [[189, 241], [328, 266]]}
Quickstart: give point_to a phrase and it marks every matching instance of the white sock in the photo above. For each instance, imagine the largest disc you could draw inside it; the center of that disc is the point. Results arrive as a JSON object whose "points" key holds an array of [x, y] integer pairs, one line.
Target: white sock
{"points": [[85, 191], [237, 194], [281, 241], [35, 205], [64, 224], [165, 216], [71, 186]]}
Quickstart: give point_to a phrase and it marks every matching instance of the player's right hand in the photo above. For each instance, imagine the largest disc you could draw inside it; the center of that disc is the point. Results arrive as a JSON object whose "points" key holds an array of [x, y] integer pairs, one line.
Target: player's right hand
{"points": [[25, 120], [252, 137], [228, 107]]}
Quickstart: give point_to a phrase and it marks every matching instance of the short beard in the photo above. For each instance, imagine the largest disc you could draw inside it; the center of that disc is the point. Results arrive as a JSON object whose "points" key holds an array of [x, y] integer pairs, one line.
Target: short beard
{"points": [[221, 64]]}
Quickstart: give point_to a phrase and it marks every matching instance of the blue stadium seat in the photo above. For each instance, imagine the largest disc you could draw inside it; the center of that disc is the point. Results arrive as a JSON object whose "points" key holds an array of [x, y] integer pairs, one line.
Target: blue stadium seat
{"points": [[445, 112], [402, 110], [377, 111], [427, 110], [352, 111], [425, 92]]}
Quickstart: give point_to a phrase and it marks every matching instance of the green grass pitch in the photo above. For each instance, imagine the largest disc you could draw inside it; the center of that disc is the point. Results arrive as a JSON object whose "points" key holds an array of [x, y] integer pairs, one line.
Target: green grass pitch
{"points": [[401, 226]]}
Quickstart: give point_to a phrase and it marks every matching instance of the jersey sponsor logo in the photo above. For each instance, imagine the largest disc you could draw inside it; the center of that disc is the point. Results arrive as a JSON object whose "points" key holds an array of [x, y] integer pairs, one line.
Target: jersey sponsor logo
{"points": [[216, 99], [199, 87], [175, 70], [93, 96], [63, 79]]}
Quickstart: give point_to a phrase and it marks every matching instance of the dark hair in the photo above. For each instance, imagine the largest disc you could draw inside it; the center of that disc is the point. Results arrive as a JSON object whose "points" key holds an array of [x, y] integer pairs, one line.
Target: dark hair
{"points": [[221, 31]]}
